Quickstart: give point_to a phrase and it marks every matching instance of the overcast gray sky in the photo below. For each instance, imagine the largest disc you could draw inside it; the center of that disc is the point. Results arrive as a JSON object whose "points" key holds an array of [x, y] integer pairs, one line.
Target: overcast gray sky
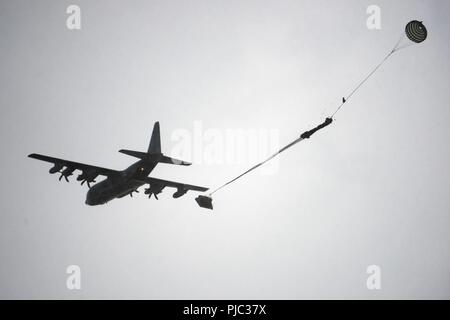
{"points": [[372, 189]]}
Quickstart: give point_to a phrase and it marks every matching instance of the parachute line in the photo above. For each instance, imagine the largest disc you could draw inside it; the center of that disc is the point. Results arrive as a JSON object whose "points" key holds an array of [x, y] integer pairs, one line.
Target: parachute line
{"points": [[362, 82], [328, 121], [259, 164], [415, 31], [406, 45], [398, 46], [304, 135], [400, 39]]}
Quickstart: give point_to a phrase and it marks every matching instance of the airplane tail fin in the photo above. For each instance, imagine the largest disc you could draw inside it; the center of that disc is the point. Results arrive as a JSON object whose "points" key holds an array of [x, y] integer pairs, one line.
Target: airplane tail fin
{"points": [[155, 141], [154, 150]]}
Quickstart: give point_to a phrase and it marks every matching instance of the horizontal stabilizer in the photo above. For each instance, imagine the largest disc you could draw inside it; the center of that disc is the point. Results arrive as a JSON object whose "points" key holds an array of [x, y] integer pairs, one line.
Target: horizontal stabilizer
{"points": [[136, 154], [170, 160], [159, 158]]}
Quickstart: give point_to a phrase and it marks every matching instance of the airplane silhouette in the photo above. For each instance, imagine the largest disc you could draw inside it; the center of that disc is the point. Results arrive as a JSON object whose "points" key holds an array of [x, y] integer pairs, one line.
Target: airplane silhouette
{"points": [[121, 183]]}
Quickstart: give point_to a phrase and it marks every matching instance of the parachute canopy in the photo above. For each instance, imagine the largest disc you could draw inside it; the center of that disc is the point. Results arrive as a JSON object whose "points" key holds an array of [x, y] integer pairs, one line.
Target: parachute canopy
{"points": [[416, 31]]}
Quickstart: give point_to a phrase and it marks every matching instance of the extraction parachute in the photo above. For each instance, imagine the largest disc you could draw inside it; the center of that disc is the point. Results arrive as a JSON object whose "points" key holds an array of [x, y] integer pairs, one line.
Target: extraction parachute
{"points": [[415, 31]]}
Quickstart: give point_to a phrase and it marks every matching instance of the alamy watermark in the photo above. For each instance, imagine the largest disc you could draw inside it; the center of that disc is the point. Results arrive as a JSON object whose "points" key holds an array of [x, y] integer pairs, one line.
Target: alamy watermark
{"points": [[373, 22], [73, 281], [230, 146], [374, 280], [73, 21]]}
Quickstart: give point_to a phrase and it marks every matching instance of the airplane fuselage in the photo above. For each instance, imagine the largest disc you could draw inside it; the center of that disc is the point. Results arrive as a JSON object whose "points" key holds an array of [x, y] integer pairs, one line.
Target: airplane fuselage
{"points": [[120, 185]]}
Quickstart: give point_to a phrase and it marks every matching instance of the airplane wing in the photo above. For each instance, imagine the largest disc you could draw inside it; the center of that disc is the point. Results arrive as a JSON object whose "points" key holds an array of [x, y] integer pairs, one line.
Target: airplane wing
{"points": [[88, 172], [156, 186], [173, 184]]}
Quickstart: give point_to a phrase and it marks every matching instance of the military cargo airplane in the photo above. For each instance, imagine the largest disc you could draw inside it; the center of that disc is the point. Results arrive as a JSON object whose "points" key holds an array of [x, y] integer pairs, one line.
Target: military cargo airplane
{"points": [[119, 184]]}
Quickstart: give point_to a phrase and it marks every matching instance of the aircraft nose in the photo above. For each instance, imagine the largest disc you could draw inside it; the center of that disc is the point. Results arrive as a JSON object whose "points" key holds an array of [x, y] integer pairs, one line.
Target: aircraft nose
{"points": [[88, 201], [89, 198]]}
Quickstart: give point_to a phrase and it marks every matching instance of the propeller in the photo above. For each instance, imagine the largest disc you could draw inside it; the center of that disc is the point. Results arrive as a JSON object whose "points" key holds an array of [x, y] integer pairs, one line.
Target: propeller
{"points": [[65, 175], [88, 182], [88, 177], [152, 193], [131, 193], [155, 190]]}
